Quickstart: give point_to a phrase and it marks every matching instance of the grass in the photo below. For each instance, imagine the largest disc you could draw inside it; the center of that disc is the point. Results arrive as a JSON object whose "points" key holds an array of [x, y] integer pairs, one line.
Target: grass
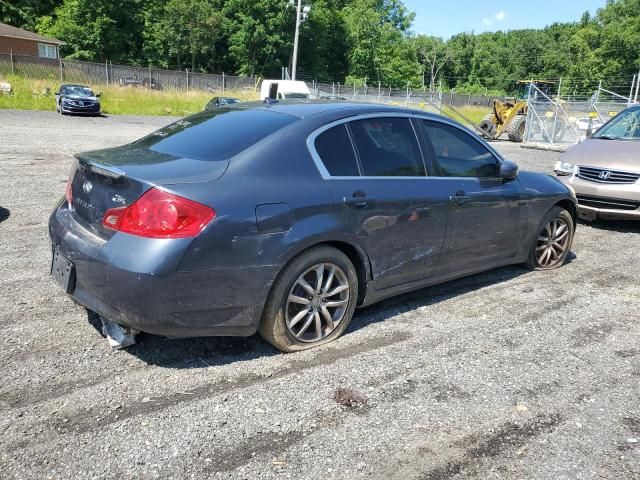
{"points": [[473, 113], [31, 94]]}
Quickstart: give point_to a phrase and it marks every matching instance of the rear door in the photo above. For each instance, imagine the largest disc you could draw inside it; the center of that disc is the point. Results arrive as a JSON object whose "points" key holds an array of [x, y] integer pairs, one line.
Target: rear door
{"points": [[486, 215], [376, 173]]}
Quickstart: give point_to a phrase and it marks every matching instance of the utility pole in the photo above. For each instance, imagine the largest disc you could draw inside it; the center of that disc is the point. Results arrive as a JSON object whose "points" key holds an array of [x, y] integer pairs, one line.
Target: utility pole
{"points": [[295, 40]]}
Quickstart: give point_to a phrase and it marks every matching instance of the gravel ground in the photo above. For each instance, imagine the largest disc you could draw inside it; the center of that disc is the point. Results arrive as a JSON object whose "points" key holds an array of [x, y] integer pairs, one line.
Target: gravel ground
{"points": [[506, 374]]}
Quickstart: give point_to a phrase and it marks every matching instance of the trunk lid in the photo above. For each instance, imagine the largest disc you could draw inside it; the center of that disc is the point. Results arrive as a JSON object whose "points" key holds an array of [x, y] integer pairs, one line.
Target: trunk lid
{"points": [[116, 177]]}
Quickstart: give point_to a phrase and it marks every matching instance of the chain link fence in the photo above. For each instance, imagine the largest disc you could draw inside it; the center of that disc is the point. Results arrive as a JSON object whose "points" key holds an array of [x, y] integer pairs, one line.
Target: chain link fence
{"points": [[556, 122], [419, 99], [73, 71]]}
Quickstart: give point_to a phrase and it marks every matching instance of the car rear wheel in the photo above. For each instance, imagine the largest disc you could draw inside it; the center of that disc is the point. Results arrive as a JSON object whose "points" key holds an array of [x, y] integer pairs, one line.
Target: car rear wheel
{"points": [[311, 301], [553, 242]]}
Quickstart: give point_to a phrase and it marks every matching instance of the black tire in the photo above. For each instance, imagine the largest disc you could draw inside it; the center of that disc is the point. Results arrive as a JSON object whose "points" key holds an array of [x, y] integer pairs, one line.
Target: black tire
{"points": [[516, 128], [273, 326], [487, 126], [562, 216]]}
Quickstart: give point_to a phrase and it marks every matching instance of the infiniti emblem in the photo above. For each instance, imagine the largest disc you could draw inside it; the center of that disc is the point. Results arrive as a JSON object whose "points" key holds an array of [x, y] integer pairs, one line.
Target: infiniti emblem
{"points": [[604, 175], [87, 187]]}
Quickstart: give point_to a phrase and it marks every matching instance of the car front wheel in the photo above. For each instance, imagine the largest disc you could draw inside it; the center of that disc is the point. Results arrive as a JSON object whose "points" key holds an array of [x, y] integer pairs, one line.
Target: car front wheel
{"points": [[553, 242], [312, 300]]}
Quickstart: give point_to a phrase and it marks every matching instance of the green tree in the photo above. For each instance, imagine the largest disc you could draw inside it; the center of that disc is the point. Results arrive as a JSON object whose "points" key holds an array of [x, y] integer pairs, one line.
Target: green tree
{"points": [[259, 35], [25, 13], [187, 28], [97, 29]]}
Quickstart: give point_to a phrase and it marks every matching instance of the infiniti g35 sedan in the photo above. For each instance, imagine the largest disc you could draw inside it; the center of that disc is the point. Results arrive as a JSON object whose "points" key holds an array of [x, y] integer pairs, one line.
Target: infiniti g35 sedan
{"points": [[283, 218], [604, 170]]}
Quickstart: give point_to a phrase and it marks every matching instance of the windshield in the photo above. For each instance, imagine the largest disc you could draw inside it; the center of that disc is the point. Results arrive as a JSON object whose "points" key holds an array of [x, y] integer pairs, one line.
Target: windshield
{"points": [[77, 90], [296, 95], [625, 126]]}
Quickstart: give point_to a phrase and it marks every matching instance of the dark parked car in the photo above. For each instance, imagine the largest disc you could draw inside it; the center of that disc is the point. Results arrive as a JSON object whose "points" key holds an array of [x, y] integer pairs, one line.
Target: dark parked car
{"points": [[217, 102], [284, 218], [77, 99]]}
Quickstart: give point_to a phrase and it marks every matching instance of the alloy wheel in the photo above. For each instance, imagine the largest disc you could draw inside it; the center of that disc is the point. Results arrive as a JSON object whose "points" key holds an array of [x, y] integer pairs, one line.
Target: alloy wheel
{"points": [[317, 302], [553, 242]]}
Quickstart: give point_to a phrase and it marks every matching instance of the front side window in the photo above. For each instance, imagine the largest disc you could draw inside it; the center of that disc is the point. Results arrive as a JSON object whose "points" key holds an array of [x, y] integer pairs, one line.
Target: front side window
{"points": [[387, 147], [458, 154], [336, 152]]}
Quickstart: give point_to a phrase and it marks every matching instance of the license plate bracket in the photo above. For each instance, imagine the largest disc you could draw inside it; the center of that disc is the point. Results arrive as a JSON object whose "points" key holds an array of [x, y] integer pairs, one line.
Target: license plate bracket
{"points": [[63, 271]]}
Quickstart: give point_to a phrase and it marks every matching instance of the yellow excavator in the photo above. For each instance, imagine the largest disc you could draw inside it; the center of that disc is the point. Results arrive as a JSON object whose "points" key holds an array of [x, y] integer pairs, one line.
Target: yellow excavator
{"points": [[510, 115]]}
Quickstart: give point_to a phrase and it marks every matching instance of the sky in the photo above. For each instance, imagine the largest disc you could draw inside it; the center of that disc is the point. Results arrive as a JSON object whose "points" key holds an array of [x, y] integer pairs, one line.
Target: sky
{"points": [[447, 18]]}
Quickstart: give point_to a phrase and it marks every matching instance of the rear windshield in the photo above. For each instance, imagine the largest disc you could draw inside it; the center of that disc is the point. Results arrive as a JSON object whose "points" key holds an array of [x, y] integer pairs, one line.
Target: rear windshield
{"points": [[215, 135]]}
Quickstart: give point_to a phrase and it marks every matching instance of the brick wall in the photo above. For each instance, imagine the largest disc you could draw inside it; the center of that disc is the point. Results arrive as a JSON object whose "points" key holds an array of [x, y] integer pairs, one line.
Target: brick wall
{"points": [[19, 46]]}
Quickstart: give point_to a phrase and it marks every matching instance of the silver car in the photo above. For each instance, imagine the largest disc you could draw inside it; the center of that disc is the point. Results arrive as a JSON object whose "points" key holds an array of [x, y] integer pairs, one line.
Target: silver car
{"points": [[604, 170]]}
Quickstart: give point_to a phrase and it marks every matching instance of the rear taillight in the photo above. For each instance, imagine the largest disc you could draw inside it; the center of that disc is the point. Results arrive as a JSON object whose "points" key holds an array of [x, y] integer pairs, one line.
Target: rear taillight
{"points": [[159, 214], [68, 194]]}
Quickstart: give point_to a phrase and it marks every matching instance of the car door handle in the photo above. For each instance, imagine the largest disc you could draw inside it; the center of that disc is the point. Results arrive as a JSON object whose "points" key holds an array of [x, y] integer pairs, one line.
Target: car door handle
{"points": [[460, 198], [358, 200]]}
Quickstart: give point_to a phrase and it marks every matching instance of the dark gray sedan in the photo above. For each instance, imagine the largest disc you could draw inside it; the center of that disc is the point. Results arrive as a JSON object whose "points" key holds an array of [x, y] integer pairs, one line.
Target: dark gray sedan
{"points": [[284, 218], [77, 99]]}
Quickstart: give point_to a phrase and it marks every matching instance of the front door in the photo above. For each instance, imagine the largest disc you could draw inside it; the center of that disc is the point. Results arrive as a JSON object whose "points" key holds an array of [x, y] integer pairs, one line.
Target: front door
{"points": [[486, 215]]}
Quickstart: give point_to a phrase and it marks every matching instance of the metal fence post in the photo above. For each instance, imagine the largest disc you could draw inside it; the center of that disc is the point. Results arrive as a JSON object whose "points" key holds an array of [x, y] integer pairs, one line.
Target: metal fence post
{"points": [[635, 99], [106, 71], [633, 83], [61, 73], [187, 70], [223, 82], [555, 118], [13, 71], [150, 76]]}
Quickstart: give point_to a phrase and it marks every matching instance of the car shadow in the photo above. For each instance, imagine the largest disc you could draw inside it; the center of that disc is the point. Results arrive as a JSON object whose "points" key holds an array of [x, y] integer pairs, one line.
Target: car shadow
{"points": [[199, 352], [4, 214], [620, 226], [432, 295], [202, 352]]}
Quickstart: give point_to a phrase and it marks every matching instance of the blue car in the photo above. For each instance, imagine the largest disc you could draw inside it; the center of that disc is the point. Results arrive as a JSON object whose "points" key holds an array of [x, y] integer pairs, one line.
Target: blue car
{"points": [[77, 99], [283, 218]]}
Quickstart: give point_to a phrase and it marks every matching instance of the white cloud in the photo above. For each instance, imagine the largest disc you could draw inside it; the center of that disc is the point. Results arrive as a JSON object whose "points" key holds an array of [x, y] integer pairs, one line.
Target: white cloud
{"points": [[496, 18]]}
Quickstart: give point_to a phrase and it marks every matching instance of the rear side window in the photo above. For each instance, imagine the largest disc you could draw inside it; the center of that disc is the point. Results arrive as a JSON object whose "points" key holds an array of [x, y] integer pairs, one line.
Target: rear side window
{"points": [[458, 154], [336, 152], [215, 135], [387, 147]]}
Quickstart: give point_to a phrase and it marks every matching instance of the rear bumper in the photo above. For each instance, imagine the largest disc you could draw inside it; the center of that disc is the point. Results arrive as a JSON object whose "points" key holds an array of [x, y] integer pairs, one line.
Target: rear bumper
{"points": [[151, 295]]}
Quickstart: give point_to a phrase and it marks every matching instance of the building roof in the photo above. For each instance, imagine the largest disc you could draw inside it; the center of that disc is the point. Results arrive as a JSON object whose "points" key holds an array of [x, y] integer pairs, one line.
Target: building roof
{"points": [[14, 32]]}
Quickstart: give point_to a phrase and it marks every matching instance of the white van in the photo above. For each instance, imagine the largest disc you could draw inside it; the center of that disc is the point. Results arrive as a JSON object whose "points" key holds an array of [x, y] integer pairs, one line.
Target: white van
{"points": [[283, 89]]}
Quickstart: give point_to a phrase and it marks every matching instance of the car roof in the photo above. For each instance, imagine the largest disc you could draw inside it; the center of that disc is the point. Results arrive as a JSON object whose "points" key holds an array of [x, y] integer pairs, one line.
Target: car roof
{"points": [[308, 108], [74, 85]]}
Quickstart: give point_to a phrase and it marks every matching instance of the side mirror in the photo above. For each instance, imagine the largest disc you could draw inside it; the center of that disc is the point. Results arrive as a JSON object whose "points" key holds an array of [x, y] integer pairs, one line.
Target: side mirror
{"points": [[508, 170], [98, 94]]}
